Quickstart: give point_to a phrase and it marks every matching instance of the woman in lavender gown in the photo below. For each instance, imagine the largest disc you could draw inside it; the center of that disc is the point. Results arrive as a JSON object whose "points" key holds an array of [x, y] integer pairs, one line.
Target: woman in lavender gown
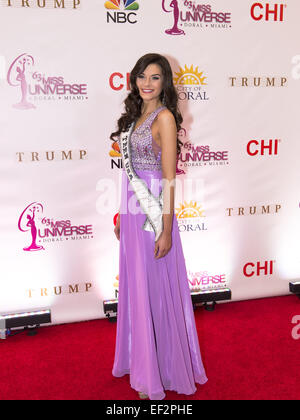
{"points": [[157, 342]]}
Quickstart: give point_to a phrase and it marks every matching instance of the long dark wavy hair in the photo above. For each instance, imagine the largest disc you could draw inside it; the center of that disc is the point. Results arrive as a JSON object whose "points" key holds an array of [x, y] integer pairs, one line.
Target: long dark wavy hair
{"points": [[133, 102]]}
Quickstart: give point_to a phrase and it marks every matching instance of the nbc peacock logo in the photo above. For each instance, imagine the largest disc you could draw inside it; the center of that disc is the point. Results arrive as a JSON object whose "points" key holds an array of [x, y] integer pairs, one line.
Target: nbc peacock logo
{"points": [[121, 11], [118, 4]]}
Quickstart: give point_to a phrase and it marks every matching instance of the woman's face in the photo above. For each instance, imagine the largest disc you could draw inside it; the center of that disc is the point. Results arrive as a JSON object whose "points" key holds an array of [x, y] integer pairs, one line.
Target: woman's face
{"points": [[150, 83]]}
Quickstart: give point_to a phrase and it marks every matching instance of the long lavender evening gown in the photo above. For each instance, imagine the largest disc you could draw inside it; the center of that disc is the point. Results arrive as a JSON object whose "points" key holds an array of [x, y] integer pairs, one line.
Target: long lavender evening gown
{"points": [[157, 342]]}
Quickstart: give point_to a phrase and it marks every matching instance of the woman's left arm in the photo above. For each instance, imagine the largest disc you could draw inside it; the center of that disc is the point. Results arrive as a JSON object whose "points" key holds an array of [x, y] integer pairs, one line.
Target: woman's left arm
{"points": [[168, 137]]}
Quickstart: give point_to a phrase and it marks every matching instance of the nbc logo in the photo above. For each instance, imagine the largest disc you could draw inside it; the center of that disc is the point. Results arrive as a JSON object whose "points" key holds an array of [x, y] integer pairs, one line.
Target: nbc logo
{"points": [[121, 11]]}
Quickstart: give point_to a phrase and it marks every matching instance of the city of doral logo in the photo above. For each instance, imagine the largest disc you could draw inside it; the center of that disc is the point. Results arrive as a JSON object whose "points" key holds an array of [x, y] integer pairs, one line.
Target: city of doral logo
{"points": [[121, 11], [189, 216], [189, 82]]}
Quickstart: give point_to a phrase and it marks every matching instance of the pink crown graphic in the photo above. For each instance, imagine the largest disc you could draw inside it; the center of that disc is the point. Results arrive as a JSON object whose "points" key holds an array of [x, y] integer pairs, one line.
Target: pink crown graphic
{"points": [[126, 4]]}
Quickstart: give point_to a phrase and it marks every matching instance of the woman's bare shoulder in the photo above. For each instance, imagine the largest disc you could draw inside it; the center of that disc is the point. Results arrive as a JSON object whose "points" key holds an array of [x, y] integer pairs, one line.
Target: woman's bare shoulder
{"points": [[165, 117]]}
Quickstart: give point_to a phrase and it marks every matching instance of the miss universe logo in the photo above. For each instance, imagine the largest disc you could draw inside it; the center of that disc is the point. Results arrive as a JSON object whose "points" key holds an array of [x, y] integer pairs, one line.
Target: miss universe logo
{"points": [[45, 230], [201, 280], [190, 14], [35, 85]]}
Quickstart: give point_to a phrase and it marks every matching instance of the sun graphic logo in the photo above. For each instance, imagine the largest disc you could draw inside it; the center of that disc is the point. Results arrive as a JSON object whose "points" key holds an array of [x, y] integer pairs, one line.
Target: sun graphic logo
{"points": [[189, 83], [188, 210], [189, 76], [190, 217], [121, 11]]}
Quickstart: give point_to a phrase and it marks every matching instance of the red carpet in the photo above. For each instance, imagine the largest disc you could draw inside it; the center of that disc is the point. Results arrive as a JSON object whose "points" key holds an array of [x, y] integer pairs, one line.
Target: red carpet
{"points": [[247, 349]]}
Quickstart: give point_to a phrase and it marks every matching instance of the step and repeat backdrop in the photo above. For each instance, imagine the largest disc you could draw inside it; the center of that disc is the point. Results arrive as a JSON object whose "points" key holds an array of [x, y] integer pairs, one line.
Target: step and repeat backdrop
{"points": [[64, 74]]}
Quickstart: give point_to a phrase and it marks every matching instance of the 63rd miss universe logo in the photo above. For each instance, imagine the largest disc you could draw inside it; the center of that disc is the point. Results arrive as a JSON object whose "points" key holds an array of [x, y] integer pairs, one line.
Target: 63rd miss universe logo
{"points": [[46, 230], [191, 14], [35, 85]]}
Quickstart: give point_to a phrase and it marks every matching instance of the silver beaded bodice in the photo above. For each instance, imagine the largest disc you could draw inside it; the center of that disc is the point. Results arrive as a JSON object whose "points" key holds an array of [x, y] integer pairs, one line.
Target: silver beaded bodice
{"points": [[145, 152]]}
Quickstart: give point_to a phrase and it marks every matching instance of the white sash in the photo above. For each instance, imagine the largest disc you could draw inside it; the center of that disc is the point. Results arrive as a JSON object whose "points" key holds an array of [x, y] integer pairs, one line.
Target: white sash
{"points": [[151, 205]]}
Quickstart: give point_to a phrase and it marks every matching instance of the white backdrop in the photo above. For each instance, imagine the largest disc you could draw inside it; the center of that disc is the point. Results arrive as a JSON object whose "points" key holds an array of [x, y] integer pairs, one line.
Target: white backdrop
{"points": [[63, 78]]}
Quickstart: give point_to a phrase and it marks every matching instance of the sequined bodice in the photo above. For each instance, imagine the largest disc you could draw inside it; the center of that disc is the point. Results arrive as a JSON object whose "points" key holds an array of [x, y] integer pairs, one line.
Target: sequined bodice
{"points": [[145, 152]]}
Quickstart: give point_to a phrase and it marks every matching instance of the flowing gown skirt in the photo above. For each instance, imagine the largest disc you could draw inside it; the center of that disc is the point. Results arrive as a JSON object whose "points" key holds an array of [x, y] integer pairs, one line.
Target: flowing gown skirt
{"points": [[157, 342]]}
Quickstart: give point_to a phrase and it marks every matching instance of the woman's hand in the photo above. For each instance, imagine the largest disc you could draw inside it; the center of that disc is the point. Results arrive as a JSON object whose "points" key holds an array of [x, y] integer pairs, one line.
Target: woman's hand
{"points": [[117, 228], [163, 245]]}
